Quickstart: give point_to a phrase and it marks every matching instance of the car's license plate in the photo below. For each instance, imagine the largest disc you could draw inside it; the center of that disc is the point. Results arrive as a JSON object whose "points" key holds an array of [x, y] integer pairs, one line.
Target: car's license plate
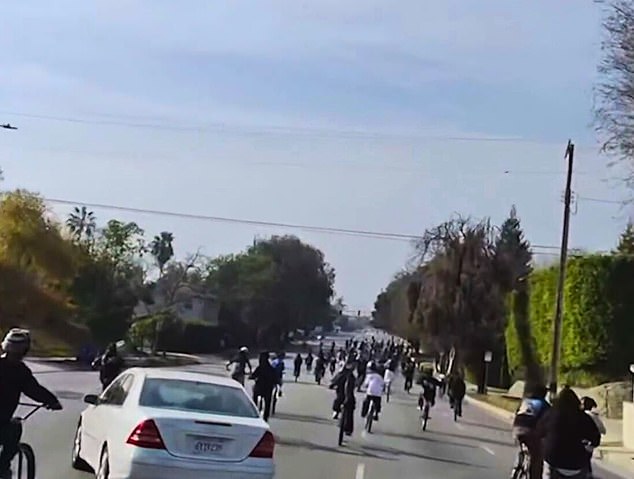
{"points": [[207, 446]]}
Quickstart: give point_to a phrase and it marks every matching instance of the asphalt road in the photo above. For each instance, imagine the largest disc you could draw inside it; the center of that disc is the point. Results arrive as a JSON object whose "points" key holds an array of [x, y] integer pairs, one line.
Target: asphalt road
{"points": [[478, 446]]}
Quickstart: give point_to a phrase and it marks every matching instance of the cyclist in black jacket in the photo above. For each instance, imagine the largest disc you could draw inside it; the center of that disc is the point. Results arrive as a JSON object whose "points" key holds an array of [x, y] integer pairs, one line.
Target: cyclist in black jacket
{"points": [[16, 379]]}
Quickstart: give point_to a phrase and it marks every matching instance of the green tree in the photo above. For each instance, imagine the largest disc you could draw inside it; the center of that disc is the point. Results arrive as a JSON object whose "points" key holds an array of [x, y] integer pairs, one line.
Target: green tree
{"points": [[626, 241], [513, 262], [36, 263], [82, 224], [121, 244], [161, 248], [276, 286]]}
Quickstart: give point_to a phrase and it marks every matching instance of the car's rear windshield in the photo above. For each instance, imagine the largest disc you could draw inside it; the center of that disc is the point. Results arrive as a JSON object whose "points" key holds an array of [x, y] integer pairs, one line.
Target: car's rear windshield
{"points": [[195, 396]]}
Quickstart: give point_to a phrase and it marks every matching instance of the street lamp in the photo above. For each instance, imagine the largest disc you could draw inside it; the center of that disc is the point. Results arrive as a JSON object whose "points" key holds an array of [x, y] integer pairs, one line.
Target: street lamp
{"points": [[632, 371], [488, 357]]}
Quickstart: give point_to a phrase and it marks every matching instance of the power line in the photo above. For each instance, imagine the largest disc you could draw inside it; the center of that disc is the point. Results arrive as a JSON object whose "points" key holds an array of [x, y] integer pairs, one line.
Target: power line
{"points": [[220, 127], [311, 228], [221, 219], [600, 200]]}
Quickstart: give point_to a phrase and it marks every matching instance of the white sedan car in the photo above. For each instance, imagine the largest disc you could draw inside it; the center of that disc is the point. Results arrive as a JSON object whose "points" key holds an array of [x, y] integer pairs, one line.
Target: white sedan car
{"points": [[158, 423]]}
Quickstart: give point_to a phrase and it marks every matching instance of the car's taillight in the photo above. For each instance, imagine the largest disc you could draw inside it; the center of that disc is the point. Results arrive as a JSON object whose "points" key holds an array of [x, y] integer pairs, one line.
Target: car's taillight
{"points": [[147, 435], [265, 447]]}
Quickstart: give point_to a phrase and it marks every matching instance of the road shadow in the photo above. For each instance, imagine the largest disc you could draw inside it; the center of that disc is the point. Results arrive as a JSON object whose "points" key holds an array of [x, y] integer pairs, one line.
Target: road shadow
{"points": [[486, 426], [347, 449], [286, 416], [400, 453], [508, 443], [426, 438]]}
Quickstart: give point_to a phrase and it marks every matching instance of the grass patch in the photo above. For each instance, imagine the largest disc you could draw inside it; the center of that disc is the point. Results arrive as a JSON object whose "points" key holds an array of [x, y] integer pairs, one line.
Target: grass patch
{"points": [[503, 402]]}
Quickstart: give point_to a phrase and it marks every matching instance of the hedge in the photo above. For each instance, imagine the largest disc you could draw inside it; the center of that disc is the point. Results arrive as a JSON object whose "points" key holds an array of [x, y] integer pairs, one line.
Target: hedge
{"points": [[598, 321]]}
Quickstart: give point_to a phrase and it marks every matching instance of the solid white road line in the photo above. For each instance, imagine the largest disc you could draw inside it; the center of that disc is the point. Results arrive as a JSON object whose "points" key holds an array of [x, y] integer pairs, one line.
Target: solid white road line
{"points": [[488, 449], [360, 471]]}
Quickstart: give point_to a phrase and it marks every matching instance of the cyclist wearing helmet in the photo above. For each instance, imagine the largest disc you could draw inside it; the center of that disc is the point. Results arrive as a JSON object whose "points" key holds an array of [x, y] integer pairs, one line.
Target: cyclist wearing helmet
{"points": [[240, 363], [374, 386], [15, 379]]}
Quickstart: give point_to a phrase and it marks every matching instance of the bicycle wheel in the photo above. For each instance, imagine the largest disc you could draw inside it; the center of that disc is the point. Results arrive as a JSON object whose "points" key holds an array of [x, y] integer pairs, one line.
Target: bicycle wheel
{"points": [[425, 417], [369, 418], [24, 463], [520, 471], [341, 424]]}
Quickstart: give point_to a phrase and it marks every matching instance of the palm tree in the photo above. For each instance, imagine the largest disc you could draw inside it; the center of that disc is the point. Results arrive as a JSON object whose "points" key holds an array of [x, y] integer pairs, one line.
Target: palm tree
{"points": [[81, 223], [162, 250]]}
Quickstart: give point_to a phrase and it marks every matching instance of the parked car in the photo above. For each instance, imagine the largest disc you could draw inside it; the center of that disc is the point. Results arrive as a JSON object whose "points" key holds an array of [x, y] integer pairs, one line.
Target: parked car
{"points": [[159, 424]]}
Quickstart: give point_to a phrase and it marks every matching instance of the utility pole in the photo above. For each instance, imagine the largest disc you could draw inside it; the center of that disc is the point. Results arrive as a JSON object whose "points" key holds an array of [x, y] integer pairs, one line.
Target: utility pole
{"points": [[557, 323]]}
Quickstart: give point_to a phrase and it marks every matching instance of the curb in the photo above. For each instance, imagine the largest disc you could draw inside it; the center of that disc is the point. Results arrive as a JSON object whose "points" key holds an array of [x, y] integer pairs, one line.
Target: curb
{"points": [[508, 417], [497, 411]]}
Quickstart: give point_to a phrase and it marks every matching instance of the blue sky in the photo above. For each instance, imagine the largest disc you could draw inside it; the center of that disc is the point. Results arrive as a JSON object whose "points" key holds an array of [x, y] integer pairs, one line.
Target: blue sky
{"points": [[263, 97]]}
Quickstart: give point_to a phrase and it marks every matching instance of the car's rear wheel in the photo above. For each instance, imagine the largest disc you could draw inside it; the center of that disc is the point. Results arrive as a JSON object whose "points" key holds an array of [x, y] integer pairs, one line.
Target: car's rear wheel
{"points": [[104, 465], [76, 461]]}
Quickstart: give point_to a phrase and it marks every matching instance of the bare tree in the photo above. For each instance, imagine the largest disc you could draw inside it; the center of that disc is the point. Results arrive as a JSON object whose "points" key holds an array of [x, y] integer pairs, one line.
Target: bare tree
{"points": [[614, 109]]}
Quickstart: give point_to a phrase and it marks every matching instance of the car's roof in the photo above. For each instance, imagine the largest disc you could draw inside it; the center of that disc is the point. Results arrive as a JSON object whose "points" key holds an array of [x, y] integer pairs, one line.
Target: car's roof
{"points": [[164, 373]]}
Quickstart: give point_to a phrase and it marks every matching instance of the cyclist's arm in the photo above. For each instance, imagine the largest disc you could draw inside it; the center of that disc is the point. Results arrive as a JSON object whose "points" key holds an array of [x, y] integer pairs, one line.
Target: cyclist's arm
{"points": [[36, 391]]}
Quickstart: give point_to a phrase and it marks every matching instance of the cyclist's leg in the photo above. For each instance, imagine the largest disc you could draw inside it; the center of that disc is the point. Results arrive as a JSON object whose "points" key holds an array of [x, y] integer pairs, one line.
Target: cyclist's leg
{"points": [[365, 406], [268, 396], [10, 436], [536, 464], [377, 407]]}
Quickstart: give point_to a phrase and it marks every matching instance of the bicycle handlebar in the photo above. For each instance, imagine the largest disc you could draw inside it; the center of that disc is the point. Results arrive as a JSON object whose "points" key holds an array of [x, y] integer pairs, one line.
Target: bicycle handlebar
{"points": [[36, 407]]}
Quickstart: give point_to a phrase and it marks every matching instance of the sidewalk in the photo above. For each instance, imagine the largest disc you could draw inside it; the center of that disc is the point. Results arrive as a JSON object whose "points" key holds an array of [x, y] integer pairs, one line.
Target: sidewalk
{"points": [[611, 455]]}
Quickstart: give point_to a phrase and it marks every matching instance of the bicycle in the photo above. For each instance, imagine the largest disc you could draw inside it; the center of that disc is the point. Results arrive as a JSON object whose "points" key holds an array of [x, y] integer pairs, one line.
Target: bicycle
{"points": [[522, 464], [342, 417], [25, 457], [457, 409], [425, 416], [319, 374], [369, 418]]}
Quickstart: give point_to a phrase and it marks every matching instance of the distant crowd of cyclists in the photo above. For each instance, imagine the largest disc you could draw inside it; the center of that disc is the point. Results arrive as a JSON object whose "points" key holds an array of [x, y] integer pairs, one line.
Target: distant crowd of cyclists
{"points": [[366, 364]]}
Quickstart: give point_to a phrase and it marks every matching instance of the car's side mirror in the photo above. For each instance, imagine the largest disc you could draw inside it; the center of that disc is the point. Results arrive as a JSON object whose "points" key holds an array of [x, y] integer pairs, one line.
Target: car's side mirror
{"points": [[91, 399]]}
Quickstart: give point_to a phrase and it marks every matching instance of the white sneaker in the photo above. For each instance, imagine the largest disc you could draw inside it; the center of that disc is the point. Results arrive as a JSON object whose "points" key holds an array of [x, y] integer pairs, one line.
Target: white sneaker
{"points": [[335, 415]]}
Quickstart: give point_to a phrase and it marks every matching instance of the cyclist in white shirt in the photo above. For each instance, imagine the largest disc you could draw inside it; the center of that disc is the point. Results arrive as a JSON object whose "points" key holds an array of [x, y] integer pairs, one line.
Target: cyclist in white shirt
{"points": [[374, 386], [388, 378]]}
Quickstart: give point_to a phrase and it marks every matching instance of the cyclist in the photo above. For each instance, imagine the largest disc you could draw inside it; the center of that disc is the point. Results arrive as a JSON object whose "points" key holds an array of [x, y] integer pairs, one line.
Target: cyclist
{"points": [[374, 386], [408, 374], [309, 361], [265, 380], [320, 366], [429, 384], [456, 390], [278, 366], [344, 384], [15, 379], [529, 412], [567, 433], [589, 406], [240, 363], [110, 364], [389, 375], [297, 364]]}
